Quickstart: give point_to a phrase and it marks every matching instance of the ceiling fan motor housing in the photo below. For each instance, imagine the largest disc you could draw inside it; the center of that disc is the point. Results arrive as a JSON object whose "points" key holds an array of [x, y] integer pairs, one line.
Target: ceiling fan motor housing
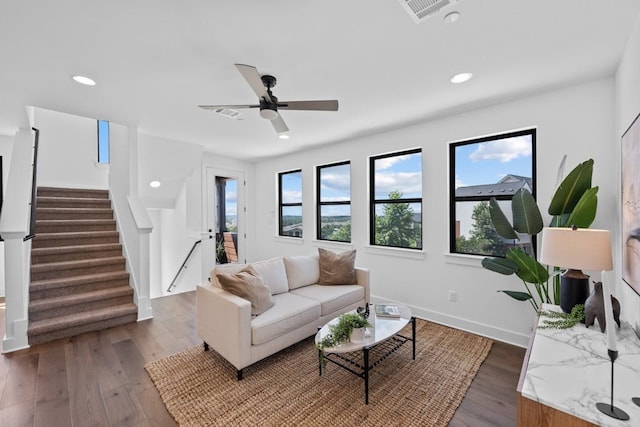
{"points": [[269, 110]]}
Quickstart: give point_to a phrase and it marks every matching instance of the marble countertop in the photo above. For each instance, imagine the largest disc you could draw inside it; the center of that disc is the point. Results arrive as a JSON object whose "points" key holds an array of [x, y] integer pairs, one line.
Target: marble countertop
{"points": [[570, 370]]}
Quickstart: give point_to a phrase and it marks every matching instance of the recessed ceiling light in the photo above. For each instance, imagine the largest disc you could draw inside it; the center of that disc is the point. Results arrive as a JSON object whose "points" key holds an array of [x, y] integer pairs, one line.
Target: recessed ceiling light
{"points": [[461, 78], [84, 80], [451, 17], [154, 184], [283, 136]]}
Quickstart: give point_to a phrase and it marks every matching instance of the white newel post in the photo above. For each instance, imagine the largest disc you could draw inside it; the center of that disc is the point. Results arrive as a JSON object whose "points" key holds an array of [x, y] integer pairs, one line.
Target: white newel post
{"points": [[144, 297], [16, 291], [144, 227], [14, 226]]}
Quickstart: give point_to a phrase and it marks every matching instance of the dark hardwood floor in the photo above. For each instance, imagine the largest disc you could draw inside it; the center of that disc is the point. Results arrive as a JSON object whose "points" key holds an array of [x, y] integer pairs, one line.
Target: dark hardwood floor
{"points": [[98, 379]]}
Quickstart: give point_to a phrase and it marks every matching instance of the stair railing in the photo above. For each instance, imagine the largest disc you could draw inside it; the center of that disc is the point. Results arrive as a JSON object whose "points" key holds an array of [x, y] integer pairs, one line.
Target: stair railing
{"points": [[183, 266], [34, 174]]}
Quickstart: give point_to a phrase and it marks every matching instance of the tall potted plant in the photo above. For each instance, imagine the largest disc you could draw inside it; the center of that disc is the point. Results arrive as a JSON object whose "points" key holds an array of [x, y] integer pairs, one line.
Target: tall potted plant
{"points": [[574, 203]]}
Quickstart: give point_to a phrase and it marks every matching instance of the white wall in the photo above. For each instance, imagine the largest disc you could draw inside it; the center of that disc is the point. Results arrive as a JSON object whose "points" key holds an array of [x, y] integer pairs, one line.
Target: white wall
{"points": [[68, 151], [577, 121], [6, 147], [627, 108]]}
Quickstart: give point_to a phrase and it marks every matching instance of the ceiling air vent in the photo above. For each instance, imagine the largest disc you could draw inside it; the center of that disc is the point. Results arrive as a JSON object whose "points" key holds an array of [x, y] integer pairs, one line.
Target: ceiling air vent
{"points": [[228, 112], [419, 10]]}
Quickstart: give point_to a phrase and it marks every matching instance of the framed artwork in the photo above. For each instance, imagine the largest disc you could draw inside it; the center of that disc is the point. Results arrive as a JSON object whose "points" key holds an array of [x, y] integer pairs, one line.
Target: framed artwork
{"points": [[631, 205]]}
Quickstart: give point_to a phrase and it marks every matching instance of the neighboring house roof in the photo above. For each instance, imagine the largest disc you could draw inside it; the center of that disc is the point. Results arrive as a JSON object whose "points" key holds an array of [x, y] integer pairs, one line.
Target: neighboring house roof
{"points": [[507, 186]]}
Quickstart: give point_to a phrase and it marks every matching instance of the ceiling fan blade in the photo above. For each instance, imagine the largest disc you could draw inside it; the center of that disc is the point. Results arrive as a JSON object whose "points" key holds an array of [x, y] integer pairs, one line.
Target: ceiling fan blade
{"points": [[279, 124], [251, 75], [233, 107], [329, 105]]}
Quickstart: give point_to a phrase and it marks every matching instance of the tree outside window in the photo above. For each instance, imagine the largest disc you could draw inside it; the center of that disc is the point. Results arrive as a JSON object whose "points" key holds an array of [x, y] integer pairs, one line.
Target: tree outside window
{"points": [[484, 168], [396, 199]]}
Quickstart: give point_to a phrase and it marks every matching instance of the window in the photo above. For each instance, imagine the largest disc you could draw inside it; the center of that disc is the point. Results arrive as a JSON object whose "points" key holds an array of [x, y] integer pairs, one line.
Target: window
{"points": [[484, 168], [396, 199], [334, 202], [290, 203], [103, 141]]}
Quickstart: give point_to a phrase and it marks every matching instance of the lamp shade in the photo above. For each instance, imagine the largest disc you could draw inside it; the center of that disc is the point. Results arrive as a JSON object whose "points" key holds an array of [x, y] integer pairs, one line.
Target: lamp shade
{"points": [[578, 249]]}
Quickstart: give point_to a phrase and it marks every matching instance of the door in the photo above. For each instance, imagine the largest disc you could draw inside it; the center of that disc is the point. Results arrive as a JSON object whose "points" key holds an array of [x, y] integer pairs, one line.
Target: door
{"points": [[225, 217]]}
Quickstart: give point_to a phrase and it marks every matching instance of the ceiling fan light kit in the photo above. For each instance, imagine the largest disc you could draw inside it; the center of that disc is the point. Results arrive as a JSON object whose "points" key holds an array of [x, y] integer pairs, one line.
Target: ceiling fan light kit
{"points": [[268, 102]]}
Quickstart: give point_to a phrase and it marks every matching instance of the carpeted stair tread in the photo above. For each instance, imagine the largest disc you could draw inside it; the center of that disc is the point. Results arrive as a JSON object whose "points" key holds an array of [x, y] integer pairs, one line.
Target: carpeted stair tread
{"points": [[87, 279], [69, 202], [81, 329], [76, 252], [79, 319], [49, 288], [69, 265], [73, 213], [43, 240], [80, 298], [74, 225], [72, 192]]}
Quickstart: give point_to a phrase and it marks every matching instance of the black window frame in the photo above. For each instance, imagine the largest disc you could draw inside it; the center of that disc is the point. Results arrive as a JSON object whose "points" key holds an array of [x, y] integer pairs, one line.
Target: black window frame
{"points": [[452, 183], [373, 202], [320, 203], [282, 205]]}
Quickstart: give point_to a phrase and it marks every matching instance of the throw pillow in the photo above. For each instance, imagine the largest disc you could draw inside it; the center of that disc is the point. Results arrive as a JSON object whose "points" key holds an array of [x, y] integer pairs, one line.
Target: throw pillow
{"points": [[337, 268], [249, 285], [302, 270]]}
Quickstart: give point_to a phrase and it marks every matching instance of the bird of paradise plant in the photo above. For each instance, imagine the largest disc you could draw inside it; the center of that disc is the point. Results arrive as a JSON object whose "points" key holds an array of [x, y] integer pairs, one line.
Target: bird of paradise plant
{"points": [[574, 203]]}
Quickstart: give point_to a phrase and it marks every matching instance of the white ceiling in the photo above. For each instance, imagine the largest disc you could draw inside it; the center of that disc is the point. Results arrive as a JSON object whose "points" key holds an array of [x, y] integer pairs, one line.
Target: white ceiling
{"points": [[156, 60]]}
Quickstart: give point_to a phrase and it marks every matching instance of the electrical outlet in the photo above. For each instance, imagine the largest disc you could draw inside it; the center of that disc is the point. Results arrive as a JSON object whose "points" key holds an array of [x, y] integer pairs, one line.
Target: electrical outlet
{"points": [[453, 296]]}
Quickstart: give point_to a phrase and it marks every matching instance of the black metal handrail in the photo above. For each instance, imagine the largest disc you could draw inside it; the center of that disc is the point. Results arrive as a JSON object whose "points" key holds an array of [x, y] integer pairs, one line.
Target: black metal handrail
{"points": [[34, 174], [183, 266]]}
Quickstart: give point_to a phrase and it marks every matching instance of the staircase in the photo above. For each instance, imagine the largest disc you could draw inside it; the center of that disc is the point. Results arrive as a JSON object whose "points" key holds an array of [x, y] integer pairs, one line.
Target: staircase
{"points": [[78, 278]]}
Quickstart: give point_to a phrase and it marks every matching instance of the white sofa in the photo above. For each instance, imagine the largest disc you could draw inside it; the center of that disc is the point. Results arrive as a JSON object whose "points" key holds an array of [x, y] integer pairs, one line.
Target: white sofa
{"points": [[225, 323]]}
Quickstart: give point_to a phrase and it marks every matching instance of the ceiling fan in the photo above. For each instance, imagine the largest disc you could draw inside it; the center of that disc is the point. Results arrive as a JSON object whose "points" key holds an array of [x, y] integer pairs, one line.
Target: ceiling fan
{"points": [[269, 104]]}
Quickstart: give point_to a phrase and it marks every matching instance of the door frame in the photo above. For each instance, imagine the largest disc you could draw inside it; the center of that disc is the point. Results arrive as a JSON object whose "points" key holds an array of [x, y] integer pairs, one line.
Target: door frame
{"points": [[210, 213]]}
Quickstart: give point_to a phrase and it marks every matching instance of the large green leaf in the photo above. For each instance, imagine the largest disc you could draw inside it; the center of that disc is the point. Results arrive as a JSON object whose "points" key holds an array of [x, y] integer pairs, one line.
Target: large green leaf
{"points": [[585, 210], [529, 269], [500, 265], [526, 215], [559, 220], [500, 221], [520, 296], [571, 189]]}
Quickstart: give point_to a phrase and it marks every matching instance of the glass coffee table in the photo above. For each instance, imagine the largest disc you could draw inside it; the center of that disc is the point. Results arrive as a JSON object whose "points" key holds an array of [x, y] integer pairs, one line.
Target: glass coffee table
{"points": [[384, 336]]}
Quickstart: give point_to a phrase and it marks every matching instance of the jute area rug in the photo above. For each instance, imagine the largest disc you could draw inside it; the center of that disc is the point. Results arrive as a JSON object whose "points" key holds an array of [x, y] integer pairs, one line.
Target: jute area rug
{"points": [[200, 389]]}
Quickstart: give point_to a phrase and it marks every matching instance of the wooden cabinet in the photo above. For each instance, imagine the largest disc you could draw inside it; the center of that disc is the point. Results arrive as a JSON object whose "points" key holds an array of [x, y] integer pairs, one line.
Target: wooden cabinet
{"points": [[565, 372]]}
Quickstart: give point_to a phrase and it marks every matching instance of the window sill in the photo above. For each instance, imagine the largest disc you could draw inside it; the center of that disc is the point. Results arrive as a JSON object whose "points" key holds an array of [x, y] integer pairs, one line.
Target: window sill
{"points": [[463, 259], [289, 240], [343, 245], [397, 252]]}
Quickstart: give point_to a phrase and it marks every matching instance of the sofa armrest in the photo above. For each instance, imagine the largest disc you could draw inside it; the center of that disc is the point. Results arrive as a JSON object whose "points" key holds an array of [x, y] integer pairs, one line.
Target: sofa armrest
{"points": [[362, 278], [223, 321]]}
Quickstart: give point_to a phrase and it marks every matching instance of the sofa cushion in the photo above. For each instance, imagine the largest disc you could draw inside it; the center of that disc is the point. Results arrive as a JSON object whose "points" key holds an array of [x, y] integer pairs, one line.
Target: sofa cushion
{"points": [[248, 285], [337, 268], [302, 270], [273, 273], [332, 297], [231, 268], [289, 313]]}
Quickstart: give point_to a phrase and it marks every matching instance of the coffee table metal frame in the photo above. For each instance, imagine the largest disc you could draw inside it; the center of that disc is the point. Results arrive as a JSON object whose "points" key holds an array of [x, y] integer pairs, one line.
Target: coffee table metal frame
{"points": [[361, 368]]}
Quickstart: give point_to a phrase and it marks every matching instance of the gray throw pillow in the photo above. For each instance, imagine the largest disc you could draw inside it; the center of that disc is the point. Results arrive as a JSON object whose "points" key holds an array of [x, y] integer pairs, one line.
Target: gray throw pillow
{"points": [[249, 285], [337, 268]]}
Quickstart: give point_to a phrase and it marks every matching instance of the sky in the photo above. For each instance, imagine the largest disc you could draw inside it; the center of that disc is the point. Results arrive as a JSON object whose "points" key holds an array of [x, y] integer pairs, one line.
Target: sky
{"points": [[488, 162]]}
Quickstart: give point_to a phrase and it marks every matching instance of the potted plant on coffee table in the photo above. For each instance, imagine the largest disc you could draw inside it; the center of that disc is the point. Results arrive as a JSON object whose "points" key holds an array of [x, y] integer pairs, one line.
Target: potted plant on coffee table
{"points": [[340, 332]]}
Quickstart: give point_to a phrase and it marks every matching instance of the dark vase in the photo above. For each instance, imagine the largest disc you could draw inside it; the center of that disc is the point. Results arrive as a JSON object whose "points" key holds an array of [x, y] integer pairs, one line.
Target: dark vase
{"points": [[594, 308]]}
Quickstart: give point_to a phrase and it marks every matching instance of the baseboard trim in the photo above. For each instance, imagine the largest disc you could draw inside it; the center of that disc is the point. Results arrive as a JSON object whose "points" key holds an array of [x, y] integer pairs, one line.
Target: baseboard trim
{"points": [[477, 328]]}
